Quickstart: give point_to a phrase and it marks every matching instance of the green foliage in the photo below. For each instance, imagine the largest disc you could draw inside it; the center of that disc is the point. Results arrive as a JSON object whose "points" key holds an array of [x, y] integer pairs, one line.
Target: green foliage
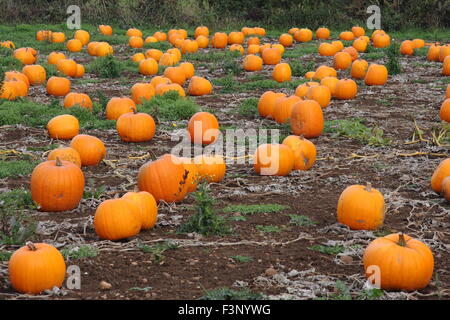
{"points": [[16, 168], [354, 129], [228, 84], [94, 193], [106, 67], [393, 59], [157, 250], [300, 220], [300, 51], [268, 229], [82, 252], [170, 106], [371, 294], [205, 221], [299, 69], [342, 292], [331, 250], [249, 108], [250, 209], [5, 255], [226, 293], [242, 259]]}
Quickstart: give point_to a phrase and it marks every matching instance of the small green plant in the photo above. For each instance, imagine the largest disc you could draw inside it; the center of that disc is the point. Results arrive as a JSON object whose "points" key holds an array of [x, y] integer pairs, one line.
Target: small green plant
{"points": [[158, 249], [226, 293], [237, 218], [371, 294], [144, 289], [5, 255], [231, 66], [105, 67], [205, 221], [393, 59], [249, 108], [81, 252], [170, 107], [268, 229], [342, 292], [331, 250], [300, 220], [242, 259], [249, 209], [94, 193], [16, 168], [299, 69]]}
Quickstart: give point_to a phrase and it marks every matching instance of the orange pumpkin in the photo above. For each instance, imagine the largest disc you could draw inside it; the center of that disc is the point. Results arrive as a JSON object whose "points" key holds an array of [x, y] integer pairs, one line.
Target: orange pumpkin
{"points": [[323, 33], [147, 205], [210, 168], [360, 45], [238, 48], [346, 89], [138, 57], [105, 30], [271, 56], [189, 46], [286, 40], [283, 108], [135, 127], [433, 53], [58, 86], [188, 68], [74, 45], [141, 92], [16, 75], [377, 75], [219, 40], [117, 106], [160, 36], [80, 71], [347, 36], [153, 53], [407, 48], [359, 69], [266, 103], [80, 99], [192, 177], [324, 71], [168, 59], [201, 31], [159, 80], [236, 37], [135, 42], [358, 31], [446, 67], [342, 60], [321, 94], [252, 63], [58, 37], [176, 75], [307, 119], [253, 40], [302, 89], [327, 49], [67, 66], [66, 154], [54, 57], [163, 88], [203, 128], [199, 86], [305, 152], [148, 66], [91, 149], [26, 55], [35, 73], [282, 72], [441, 172], [8, 91], [331, 83], [202, 41], [273, 160], [133, 32], [63, 127], [444, 112], [303, 35], [381, 40]]}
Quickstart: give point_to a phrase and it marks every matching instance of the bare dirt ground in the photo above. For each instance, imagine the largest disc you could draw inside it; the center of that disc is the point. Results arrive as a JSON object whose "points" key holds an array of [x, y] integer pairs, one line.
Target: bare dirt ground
{"points": [[282, 266]]}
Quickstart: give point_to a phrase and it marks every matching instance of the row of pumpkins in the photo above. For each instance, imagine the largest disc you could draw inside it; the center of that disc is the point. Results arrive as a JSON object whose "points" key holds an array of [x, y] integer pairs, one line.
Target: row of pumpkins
{"points": [[359, 207]]}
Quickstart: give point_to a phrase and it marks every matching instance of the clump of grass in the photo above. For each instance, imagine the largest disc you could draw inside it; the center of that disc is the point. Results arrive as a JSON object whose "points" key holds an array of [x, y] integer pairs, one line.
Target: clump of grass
{"points": [[300, 220], [158, 249], [299, 69], [16, 168], [255, 208], [170, 106], [205, 221], [268, 229], [331, 250], [249, 108], [242, 259], [393, 59], [105, 67], [5, 255], [226, 293], [81, 252]]}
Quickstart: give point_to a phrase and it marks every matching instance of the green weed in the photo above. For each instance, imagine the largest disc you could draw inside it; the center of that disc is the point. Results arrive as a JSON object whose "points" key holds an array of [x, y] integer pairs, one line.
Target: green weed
{"points": [[300, 220], [255, 208], [226, 293], [82, 252], [158, 249]]}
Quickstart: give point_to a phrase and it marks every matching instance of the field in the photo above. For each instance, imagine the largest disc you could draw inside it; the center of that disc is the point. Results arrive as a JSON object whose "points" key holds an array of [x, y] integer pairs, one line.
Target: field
{"points": [[284, 242]]}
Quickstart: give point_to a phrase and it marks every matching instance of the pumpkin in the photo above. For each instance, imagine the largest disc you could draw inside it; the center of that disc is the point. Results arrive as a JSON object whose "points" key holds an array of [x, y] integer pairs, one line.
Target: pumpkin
{"points": [[447, 92], [103, 49], [147, 205], [8, 91], [202, 41], [266, 103], [163, 88], [444, 112], [259, 31], [433, 53], [377, 32], [358, 31], [199, 86], [203, 128], [91, 149], [404, 263], [303, 35], [331, 83], [327, 49], [153, 53], [20, 87], [359, 69], [381, 40], [63, 127], [273, 160], [360, 45], [168, 59], [35, 73], [201, 31], [418, 43], [176, 75], [283, 108], [105, 30], [36, 267], [236, 37], [188, 68], [135, 127], [271, 56], [80, 71], [323, 33], [25, 55], [148, 66], [342, 60], [192, 177], [282, 72], [253, 40], [309, 75], [67, 154], [117, 219], [252, 63], [160, 36], [159, 80], [164, 178], [117, 106], [361, 208], [248, 31], [58, 86], [74, 45], [16, 75], [446, 188], [133, 32], [8, 44], [58, 37], [338, 45], [441, 172], [150, 39], [307, 119], [346, 89], [141, 92], [302, 89], [407, 48], [57, 185], [280, 47], [219, 40], [92, 47], [352, 52], [293, 30], [67, 66], [321, 94], [286, 40], [446, 67], [324, 71], [210, 168], [42, 35], [347, 36], [135, 42], [376, 75], [79, 99], [54, 57], [138, 57], [238, 48], [189, 46], [304, 152], [253, 49]]}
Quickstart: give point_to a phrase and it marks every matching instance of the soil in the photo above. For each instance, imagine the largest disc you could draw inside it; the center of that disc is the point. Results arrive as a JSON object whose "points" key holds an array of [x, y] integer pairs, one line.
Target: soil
{"points": [[283, 265]]}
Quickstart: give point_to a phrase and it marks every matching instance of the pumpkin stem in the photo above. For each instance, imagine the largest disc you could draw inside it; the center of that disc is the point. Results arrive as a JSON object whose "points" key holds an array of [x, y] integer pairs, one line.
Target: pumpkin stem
{"points": [[31, 246], [58, 162], [368, 186], [401, 240]]}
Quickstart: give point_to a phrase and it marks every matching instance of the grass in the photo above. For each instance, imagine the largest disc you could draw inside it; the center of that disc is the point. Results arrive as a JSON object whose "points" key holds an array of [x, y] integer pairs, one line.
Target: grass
{"points": [[157, 250], [226, 293], [299, 69], [228, 84], [301, 50], [94, 193], [81, 252], [170, 107], [5, 255], [393, 59], [300, 220], [106, 67], [331, 250], [255, 208], [16, 168], [249, 108], [242, 259], [354, 129], [268, 229]]}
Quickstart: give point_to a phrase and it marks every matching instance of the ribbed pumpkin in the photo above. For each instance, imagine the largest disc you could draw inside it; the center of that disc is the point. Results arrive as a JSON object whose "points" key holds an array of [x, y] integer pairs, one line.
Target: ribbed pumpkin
{"points": [[271, 56], [161, 36], [282, 72], [16, 75], [236, 37], [283, 108], [67, 66], [135, 42], [331, 83], [266, 103], [203, 128], [80, 99], [323, 33], [304, 152], [147, 205], [303, 35], [441, 172], [36, 267], [133, 32], [307, 119], [159, 80], [117, 219], [74, 45], [321, 94], [148, 66], [63, 127], [342, 60], [327, 49], [252, 63], [54, 57], [286, 40], [164, 178], [135, 127], [361, 208], [358, 31], [168, 59], [338, 45], [324, 71], [377, 75], [347, 36], [58, 86], [105, 30], [302, 89], [273, 160], [346, 89], [210, 168], [8, 91], [359, 69], [444, 112], [199, 86], [381, 40], [42, 35], [189, 46], [117, 106], [25, 55], [35, 73], [66, 154], [404, 263], [433, 53], [188, 68], [91, 149], [153, 53], [407, 48], [360, 45], [202, 41], [19, 87], [80, 71], [58, 37], [57, 185], [141, 92], [176, 75], [352, 52], [201, 31], [446, 67], [219, 40]]}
